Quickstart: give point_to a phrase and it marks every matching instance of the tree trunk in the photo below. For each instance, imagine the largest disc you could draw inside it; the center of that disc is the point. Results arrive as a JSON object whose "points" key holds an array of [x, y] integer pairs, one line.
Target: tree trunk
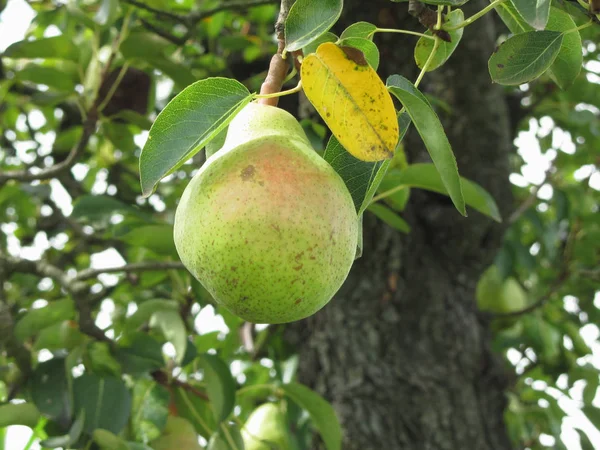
{"points": [[401, 351]]}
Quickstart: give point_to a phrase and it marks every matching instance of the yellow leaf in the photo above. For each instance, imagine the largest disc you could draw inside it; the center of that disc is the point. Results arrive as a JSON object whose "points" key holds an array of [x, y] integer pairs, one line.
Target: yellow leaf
{"points": [[352, 100]]}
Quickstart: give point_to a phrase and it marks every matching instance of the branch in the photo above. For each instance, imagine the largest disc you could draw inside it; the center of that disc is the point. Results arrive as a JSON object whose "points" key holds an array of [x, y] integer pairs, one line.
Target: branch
{"points": [[89, 127], [78, 290], [135, 267], [159, 12], [162, 378], [234, 4], [278, 67], [165, 34], [530, 200], [563, 276]]}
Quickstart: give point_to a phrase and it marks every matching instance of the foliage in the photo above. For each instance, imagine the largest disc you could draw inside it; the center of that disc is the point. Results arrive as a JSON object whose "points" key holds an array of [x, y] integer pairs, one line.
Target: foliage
{"points": [[123, 356]]}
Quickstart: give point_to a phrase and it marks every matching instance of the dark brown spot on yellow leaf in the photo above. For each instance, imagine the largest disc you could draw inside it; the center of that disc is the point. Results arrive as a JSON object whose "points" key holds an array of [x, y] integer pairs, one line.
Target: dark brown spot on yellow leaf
{"points": [[355, 55]]}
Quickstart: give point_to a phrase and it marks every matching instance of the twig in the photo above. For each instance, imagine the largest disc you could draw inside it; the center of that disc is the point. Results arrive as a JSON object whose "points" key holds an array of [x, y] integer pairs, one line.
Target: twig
{"points": [[159, 12], [78, 290], [162, 378], [89, 126], [530, 200], [278, 67], [236, 4], [135, 267], [165, 34], [563, 276]]}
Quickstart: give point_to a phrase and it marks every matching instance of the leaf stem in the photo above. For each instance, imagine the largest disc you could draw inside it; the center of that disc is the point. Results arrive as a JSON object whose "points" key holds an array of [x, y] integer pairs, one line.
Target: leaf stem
{"points": [[440, 13], [475, 16], [579, 28], [253, 387], [394, 30], [387, 193], [295, 89], [228, 437], [436, 45]]}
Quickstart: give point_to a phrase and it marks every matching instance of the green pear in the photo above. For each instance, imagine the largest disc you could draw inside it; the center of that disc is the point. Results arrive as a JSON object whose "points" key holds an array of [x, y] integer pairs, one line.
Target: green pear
{"points": [[266, 225], [500, 296], [266, 429], [513, 296], [178, 434], [489, 290]]}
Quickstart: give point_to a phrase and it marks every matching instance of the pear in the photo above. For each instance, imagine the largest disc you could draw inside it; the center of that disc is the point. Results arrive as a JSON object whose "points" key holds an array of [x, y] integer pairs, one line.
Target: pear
{"points": [[266, 429], [266, 225], [178, 434], [500, 296]]}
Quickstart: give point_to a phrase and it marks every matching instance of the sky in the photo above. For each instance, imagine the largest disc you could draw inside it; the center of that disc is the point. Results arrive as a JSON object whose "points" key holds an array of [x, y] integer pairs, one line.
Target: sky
{"points": [[14, 22]]}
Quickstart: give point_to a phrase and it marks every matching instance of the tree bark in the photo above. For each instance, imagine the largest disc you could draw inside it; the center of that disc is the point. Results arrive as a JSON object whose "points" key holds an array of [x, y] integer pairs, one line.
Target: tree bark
{"points": [[401, 351]]}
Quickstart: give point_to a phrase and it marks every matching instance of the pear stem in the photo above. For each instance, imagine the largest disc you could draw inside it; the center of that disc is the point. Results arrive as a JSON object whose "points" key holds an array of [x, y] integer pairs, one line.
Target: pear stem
{"points": [[278, 68]]}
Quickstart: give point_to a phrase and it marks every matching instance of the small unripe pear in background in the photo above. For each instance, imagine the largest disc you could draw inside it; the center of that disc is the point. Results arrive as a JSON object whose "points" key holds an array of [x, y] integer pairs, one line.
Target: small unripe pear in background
{"points": [[178, 434], [266, 225], [500, 296], [266, 429]]}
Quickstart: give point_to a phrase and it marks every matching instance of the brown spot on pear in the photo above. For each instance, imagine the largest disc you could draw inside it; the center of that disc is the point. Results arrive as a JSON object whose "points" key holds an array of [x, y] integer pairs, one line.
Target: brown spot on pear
{"points": [[224, 221]]}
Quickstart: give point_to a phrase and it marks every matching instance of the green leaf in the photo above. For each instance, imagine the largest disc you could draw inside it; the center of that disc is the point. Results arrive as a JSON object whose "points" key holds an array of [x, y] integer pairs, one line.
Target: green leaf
{"points": [[590, 389], [100, 359], [568, 62], [59, 47], [108, 441], [389, 217], [361, 177], [524, 57], [187, 124], [150, 410], [35, 320], [426, 176], [216, 144], [53, 77], [107, 13], [134, 118], [95, 207], [141, 354], [356, 174], [173, 329], [146, 309], [432, 133], [366, 46], [228, 437], [584, 440], [220, 386], [593, 414], [25, 414], [49, 389], [308, 19], [196, 410], [312, 47], [106, 402], [70, 438], [320, 411], [445, 49], [158, 238], [535, 12], [512, 19], [438, 2], [359, 30]]}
